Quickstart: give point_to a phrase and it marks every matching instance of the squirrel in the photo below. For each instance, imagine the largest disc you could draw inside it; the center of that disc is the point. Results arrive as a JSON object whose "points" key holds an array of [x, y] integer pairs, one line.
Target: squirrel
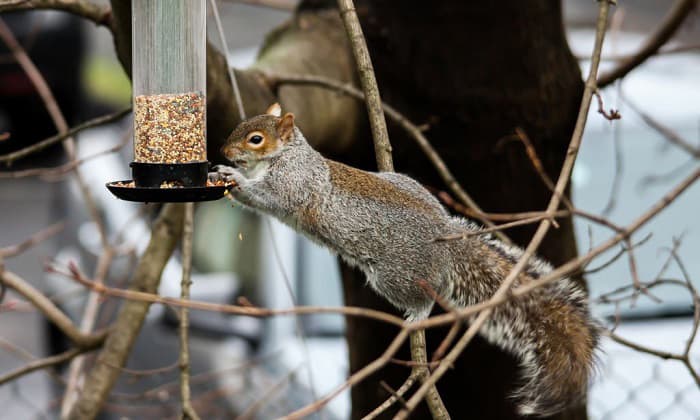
{"points": [[386, 225]]}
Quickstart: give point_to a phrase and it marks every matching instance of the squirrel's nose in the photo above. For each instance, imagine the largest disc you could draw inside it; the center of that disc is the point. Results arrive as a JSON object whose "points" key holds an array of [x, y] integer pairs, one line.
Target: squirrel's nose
{"points": [[229, 152]]}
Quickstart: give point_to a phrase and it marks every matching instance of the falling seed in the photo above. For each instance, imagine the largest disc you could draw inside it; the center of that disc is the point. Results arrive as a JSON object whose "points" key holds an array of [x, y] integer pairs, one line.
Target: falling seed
{"points": [[240, 236]]}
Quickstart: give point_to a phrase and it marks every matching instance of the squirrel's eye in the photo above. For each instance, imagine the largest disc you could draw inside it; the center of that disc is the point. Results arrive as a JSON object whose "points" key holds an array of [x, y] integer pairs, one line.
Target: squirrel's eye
{"points": [[255, 139]]}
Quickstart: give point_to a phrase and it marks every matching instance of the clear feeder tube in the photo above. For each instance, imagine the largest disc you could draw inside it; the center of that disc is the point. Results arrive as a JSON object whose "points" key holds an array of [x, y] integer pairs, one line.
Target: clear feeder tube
{"points": [[169, 84]]}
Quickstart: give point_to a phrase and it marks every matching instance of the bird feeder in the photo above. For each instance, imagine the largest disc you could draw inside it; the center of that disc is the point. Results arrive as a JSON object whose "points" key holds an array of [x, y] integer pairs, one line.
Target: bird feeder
{"points": [[169, 87]]}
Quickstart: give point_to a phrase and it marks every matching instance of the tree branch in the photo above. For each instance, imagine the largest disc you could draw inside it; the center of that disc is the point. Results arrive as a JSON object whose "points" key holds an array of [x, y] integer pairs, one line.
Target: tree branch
{"points": [[668, 27], [44, 363], [382, 151], [87, 323], [53, 313], [238, 309], [37, 238], [188, 227], [105, 119], [380, 135], [165, 233], [668, 133]]}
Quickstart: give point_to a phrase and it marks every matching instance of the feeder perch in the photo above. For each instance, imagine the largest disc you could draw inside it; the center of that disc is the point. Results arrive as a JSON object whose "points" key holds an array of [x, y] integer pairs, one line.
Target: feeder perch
{"points": [[169, 87]]}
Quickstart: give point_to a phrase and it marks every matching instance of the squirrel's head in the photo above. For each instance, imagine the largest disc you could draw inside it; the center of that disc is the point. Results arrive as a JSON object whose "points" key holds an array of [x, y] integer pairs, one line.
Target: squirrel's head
{"points": [[260, 137]]}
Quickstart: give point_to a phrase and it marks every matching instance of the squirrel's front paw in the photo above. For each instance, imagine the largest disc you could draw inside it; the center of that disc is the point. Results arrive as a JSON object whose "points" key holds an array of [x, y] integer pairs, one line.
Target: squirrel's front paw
{"points": [[226, 174]]}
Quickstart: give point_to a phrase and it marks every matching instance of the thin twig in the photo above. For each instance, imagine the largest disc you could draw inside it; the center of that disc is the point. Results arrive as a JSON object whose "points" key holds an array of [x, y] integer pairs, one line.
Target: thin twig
{"points": [[105, 119], [252, 409], [37, 238], [395, 396], [611, 115], [53, 313], [44, 363], [245, 310], [496, 228], [668, 27], [87, 323], [231, 74], [617, 152], [615, 257], [354, 379], [52, 174], [668, 133], [678, 49]]}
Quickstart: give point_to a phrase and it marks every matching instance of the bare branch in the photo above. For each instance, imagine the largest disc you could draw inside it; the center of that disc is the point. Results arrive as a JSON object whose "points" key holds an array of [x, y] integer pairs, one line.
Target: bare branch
{"points": [[87, 323], [396, 396], [37, 238], [54, 314], [105, 119], [668, 27], [355, 378], [43, 363], [668, 133], [382, 146], [245, 310], [59, 171], [229, 69]]}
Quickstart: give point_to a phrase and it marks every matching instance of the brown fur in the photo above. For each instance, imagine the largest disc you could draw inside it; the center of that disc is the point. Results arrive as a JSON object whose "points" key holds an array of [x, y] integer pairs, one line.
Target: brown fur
{"points": [[356, 182], [568, 346]]}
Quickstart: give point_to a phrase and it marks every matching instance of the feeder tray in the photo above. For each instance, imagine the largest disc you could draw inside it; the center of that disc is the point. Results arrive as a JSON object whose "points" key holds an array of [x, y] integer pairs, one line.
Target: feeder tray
{"points": [[122, 190], [168, 183]]}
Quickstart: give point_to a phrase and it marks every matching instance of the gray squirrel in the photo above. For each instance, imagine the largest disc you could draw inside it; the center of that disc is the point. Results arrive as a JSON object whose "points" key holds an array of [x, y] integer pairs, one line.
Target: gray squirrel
{"points": [[386, 225]]}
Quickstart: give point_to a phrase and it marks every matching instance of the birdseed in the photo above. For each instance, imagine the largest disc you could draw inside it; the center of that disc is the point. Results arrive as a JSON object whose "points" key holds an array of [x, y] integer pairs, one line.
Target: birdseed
{"points": [[210, 183], [169, 128]]}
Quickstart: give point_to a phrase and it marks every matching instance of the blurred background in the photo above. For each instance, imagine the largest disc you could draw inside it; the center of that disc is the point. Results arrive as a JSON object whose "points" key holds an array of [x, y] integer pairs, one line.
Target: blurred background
{"points": [[623, 168]]}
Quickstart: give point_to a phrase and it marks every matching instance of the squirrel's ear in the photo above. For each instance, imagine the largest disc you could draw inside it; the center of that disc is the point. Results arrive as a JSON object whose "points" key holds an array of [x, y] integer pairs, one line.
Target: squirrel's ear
{"points": [[274, 110], [285, 127]]}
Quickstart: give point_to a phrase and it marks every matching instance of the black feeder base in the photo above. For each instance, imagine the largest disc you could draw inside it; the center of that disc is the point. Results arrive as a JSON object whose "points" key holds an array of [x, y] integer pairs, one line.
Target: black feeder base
{"points": [[187, 182]]}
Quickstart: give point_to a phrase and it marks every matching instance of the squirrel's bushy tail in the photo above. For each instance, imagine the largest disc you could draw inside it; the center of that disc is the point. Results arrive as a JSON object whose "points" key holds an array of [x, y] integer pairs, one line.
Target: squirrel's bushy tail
{"points": [[549, 330], [554, 341]]}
